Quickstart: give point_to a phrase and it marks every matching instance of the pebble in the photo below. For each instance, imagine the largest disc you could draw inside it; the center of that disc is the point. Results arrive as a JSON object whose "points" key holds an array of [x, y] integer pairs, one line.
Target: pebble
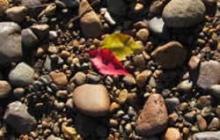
{"points": [[69, 131], [128, 128], [170, 55], [201, 122], [16, 13], [185, 86], [204, 101], [142, 77], [114, 106], [21, 75], [18, 118], [209, 74], [97, 101], [117, 7], [143, 34], [214, 124], [180, 14], [108, 17], [138, 7], [18, 92], [172, 103], [122, 97], [5, 89], [59, 78], [10, 43], [90, 23], [93, 77], [157, 26], [153, 118], [129, 80], [139, 61], [29, 39], [208, 135], [79, 78], [194, 62], [4, 4], [53, 35], [172, 134], [52, 137]]}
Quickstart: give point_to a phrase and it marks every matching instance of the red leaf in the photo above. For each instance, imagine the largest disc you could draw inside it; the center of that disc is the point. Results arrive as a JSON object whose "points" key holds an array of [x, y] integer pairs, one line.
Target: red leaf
{"points": [[106, 62]]}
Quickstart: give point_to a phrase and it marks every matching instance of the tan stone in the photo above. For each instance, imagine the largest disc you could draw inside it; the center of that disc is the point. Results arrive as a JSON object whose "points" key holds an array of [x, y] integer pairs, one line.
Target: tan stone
{"points": [[92, 100], [194, 62], [59, 78], [122, 97], [143, 34], [5, 88], [172, 134]]}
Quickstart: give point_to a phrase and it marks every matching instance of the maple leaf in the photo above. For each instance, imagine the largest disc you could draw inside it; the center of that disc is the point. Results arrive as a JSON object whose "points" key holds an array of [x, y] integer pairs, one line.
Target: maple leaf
{"points": [[121, 45], [106, 62]]}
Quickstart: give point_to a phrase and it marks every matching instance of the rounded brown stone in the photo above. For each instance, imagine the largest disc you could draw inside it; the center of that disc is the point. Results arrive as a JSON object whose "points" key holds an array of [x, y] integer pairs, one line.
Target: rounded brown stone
{"points": [[172, 134], [92, 100], [59, 78], [153, 118], [5, 88], [170, 55]]}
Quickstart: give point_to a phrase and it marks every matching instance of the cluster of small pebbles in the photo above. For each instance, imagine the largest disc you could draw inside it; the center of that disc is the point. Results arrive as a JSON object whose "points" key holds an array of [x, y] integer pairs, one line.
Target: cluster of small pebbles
{"points": [[49, 89]]}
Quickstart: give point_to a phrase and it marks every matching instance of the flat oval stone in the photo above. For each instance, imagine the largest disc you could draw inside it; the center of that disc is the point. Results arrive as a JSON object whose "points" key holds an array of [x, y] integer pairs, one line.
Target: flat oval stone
{"points": [[153, 118], [170, 55], [92, 100], [183, 13]]}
